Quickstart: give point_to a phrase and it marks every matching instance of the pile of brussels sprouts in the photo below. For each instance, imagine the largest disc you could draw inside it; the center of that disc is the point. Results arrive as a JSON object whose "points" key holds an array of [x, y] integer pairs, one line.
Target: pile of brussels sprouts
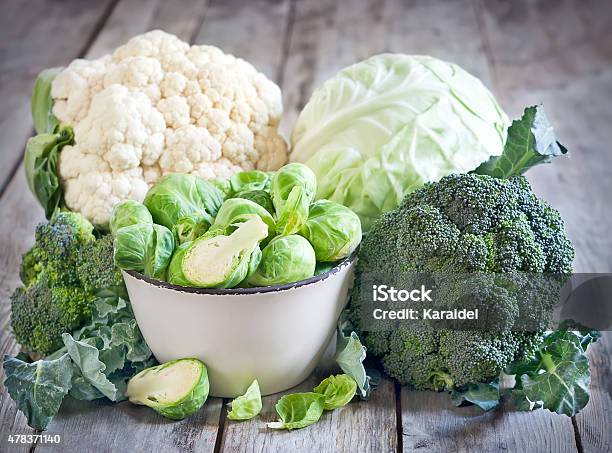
{"points": [[253, 229]]}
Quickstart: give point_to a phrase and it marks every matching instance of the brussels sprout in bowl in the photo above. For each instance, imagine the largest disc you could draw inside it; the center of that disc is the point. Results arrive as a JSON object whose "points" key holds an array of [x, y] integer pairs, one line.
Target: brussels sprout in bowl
{"points": [[275, 334]]}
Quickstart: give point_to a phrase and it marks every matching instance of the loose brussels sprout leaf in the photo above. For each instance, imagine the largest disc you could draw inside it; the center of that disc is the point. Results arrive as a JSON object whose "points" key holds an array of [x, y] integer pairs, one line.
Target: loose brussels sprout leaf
{"points": [[350, 354], [286, 259], [248, 405], [333, 230], [298, 410], [190, 227], [175, 389], [220, 261], [236, 210], [178, 195], [293, 189], [338, 390], [128, 213], [249, 180], [261, 197], [144, 248]]}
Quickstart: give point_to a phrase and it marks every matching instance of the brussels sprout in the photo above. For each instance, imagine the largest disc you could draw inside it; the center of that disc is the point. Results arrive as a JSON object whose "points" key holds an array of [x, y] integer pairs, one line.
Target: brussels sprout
{"points": [[190, 227], [179, 195], [286, 259], [293, 189], [261, 197], [145, 248], [236, 210], [322, 268], [333, 230], [176, 389], [174, 274], [249, 180], [219, 261], [223, 184], [128, 213]]}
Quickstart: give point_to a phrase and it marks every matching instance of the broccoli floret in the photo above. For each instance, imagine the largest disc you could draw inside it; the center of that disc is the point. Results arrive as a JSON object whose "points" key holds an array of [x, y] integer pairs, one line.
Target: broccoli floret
{"points": [[61, 274], [96, 267], [58, 243], [40, 313], [465, 227]]}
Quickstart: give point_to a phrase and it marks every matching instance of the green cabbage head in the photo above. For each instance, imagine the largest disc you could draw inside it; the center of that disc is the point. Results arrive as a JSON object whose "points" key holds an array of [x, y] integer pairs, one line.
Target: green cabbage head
{"points": [[381, 128]]}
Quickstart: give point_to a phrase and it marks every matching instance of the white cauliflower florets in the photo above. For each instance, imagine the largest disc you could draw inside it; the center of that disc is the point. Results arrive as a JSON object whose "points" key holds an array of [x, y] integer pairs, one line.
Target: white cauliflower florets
{"points": [[158, 106]]}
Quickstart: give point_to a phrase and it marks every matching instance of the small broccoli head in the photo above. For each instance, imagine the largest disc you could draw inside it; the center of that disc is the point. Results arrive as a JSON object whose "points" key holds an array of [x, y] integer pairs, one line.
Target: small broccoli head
{"points": [[41, 312], [467, 227], [58, 243]]}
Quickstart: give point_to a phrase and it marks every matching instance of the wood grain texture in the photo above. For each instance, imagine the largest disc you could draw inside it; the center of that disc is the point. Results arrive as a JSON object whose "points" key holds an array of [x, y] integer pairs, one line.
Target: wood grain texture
{"points": [[102, 426], [560, 54], [253, 30], [595, 421], [34, 37], [361, 426], [430, 423]]}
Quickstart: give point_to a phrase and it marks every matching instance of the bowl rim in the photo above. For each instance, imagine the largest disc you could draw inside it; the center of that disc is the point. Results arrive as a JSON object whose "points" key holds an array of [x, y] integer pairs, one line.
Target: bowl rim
{"points": [[244, 291]]}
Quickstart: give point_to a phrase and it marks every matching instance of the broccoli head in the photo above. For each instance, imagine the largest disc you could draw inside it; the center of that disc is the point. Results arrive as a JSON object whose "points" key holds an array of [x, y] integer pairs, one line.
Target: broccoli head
{"points": [[61, 274], [477, 231]]}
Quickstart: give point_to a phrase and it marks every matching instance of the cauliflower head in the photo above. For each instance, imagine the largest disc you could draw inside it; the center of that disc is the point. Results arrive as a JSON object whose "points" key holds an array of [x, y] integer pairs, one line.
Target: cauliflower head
{"points": [[156, 106]]}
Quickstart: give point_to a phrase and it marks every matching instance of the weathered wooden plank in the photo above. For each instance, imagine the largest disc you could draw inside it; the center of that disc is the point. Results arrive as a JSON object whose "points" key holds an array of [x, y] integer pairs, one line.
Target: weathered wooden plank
{"points": [[430, 423], [328, 36], [560, 54], [253, 30], [36, 36], [105, 427], [593, 423], [368, 426]]}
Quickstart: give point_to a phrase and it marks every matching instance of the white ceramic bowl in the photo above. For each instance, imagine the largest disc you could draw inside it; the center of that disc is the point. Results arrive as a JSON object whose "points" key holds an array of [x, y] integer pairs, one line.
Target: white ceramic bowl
{"points": [[275, 334]]}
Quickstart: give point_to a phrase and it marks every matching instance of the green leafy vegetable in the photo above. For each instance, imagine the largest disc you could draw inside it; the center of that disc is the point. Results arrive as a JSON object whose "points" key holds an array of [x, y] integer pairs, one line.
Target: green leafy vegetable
{"points": [[261, 197], [286, 259], [189, 228], [128, 213], [40, 163], [531, 141], [217, 260], [38, 388], [249, 180], [248, 405], [338, 390], [298, 410], [350, 354], [145, 248], [236, 210], [179, 195], [381, 128], [333, 230], [176, 389], [486, 396], [293, 189], [42, 102]]}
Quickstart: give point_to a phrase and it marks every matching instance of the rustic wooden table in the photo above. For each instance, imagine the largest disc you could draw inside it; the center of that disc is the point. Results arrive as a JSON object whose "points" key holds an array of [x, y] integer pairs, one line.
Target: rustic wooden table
{"points": [[550, 51]]}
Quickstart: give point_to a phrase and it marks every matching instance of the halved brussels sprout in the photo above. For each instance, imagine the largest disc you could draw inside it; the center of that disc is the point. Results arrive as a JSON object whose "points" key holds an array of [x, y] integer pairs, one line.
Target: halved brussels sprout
{"points": [[293, 189], [219, 261], [176, 389], [249, 180], [145, 248], [333, 230], [236, 210], [179, 195], [190, 227], [129, 212], [261, 197], [286, 259]]}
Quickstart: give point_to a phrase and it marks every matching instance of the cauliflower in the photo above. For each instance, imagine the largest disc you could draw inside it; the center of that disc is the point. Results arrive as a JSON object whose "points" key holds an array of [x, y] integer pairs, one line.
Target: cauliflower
{"points": [[158, 106]]}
